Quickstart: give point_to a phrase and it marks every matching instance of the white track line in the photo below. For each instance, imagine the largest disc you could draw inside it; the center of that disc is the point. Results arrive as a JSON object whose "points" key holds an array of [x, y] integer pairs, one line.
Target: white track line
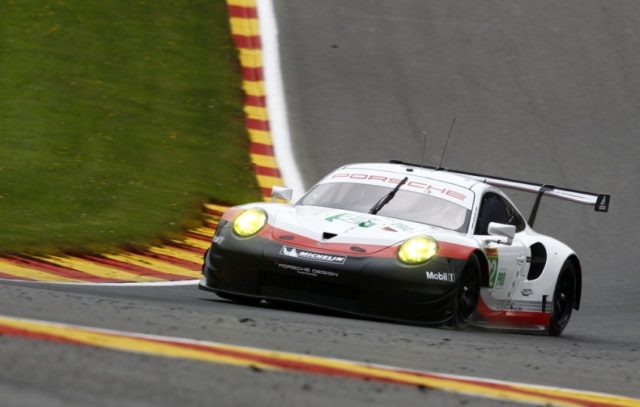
{"points": [[147, 284], [276, 102]]}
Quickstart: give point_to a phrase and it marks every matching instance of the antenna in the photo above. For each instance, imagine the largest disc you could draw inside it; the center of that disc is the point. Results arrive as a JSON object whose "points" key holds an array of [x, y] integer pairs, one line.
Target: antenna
{"points": [[424, 148], [444, 150]]}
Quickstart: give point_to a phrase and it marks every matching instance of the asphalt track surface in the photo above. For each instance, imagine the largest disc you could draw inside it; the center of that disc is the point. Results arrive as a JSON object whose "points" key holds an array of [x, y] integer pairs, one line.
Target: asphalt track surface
{"points": [[543, 91]]}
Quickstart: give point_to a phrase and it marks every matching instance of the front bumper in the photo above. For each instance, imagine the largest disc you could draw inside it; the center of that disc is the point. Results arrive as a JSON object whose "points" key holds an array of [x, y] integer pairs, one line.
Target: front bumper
{"points": [[364, 285]]}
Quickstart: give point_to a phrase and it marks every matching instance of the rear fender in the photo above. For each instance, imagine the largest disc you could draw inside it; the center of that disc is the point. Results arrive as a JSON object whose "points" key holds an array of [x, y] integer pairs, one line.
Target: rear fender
{"points": [[576, 263], [544, 284]]}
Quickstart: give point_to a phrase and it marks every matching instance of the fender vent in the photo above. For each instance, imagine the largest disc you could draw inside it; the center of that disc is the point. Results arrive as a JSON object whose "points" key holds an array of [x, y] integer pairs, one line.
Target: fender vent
{"points": [[538, 261], [327, 235]]}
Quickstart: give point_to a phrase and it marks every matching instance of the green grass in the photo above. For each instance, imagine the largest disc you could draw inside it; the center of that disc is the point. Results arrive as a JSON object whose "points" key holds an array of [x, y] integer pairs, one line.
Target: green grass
{"points": [[118, 119]]}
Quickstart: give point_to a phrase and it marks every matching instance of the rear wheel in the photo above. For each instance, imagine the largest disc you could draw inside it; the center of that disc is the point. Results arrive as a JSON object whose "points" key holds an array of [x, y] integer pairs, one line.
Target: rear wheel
{"points": [[467, 292], [241, 299], [564, 297]]}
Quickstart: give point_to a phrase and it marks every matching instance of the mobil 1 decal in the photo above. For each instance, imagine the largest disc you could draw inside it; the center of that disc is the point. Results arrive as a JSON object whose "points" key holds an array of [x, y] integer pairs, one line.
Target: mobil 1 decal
{"points": [[441, 276], [496, 278]]}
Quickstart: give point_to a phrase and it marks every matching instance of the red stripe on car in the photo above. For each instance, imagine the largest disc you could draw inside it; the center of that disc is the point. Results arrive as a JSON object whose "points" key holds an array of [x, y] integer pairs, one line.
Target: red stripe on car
{"points": [[449, 250], [510, 317]]}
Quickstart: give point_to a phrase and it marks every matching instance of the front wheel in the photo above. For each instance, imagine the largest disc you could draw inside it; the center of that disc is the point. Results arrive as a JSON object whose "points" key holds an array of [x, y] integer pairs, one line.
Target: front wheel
{"points": [[467, 292], [564, 297]]}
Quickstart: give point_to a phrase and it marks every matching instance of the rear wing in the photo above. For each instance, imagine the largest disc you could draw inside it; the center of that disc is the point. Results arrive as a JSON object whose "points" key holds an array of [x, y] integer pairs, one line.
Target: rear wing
{"points": [[600, 202]]}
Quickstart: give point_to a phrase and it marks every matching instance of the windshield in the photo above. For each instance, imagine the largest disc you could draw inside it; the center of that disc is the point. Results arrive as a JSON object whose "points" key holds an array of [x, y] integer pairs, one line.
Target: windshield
{"points": [[406, 205]]}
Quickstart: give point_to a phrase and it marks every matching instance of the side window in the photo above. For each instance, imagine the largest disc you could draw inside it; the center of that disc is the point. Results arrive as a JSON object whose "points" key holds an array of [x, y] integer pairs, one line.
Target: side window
{"points": [[492, 209], [514, 218], [495, 209]]}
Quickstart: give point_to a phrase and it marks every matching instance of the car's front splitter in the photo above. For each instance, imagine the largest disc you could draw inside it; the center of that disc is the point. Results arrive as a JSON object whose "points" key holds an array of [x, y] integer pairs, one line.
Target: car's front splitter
{"points": [[378, 287]]}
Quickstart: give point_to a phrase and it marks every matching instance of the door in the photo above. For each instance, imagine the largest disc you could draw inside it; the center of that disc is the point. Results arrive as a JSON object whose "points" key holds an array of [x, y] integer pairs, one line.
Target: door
{"points": [[507, 262]]}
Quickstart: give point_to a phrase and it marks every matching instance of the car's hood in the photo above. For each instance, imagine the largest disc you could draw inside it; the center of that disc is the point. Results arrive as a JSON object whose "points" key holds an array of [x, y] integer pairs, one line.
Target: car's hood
{"points": [[340, 230]]}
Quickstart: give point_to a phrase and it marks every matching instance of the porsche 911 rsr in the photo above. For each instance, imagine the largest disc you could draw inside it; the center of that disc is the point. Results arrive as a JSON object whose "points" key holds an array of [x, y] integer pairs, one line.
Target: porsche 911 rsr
{"points": [[402, 242]]}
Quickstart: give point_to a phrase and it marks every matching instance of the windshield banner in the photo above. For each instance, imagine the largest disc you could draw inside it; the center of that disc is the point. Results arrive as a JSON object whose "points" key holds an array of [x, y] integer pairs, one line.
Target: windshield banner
{"points": [[427, 186]]}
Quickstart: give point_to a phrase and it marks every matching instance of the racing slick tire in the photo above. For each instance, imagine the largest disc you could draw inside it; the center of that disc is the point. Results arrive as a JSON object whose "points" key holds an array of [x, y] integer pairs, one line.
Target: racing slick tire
{"points": [[467, 292], [564, 297], [240, 299]]}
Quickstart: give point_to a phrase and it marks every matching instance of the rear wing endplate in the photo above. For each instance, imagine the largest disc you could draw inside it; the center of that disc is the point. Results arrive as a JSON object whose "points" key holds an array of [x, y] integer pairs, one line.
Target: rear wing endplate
{"points": [[600, 202]]}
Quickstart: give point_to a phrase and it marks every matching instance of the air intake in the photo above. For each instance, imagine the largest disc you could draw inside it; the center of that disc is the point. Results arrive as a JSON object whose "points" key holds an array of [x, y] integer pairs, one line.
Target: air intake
{"points": [[538, 261], [327, 235]]}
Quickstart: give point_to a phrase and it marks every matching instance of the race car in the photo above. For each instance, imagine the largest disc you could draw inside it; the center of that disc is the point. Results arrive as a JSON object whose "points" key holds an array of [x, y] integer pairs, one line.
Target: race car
{"points": [[403, 242]]}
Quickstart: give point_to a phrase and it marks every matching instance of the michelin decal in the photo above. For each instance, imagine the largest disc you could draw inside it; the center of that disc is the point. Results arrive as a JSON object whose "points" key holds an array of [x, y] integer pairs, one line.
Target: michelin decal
{"points": [[313, 256]]}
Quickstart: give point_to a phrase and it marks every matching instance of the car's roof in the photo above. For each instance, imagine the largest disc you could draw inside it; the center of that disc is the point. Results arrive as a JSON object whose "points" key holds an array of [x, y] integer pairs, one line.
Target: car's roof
{"points": [[444, 176]]}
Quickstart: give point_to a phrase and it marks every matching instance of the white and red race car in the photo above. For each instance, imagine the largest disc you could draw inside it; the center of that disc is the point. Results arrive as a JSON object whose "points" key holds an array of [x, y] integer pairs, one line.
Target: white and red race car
{"points": [[403, 242]]}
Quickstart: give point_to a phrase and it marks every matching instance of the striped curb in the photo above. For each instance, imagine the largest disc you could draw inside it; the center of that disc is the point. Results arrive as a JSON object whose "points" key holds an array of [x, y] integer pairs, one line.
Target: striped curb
{"points": [[179, 260], [271, 360], [245, 30]]}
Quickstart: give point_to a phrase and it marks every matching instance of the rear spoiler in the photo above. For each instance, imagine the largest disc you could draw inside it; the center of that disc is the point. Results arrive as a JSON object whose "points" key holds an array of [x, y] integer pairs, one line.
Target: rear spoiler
{"points": [[600, 202]]}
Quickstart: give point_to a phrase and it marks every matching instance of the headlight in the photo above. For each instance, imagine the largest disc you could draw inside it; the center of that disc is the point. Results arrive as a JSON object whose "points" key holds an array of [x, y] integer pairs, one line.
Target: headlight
{"points": [[417, 250], [249, 222]]}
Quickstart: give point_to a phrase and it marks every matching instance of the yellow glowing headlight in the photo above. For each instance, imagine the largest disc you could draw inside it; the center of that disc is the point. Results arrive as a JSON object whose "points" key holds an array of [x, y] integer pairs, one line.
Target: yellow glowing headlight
{"points": [[417, 250], [249, 222]]}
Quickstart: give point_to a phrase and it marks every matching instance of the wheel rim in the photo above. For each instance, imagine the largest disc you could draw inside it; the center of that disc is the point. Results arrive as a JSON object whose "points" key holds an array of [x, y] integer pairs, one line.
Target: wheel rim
{"points": [[467, 293], [563, 301]]}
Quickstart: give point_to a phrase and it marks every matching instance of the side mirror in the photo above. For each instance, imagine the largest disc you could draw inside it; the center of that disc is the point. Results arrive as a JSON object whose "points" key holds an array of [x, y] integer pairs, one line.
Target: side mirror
{"points": [[502, 230], [281, 192]]}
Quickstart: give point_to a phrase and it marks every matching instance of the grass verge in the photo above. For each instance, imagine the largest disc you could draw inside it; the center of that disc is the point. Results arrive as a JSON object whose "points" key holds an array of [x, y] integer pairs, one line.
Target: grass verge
{"points": [[118, 119]]}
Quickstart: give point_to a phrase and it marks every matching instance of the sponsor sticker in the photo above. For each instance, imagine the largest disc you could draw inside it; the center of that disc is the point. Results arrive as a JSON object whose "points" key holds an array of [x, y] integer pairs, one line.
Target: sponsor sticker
{"points": [[440, 276], [496, 279], [401, 226], [313, 256], [526, 292], [218, 239], [365, 222], [353, 219], [491, 252], [308, 271], [425, 186]]}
